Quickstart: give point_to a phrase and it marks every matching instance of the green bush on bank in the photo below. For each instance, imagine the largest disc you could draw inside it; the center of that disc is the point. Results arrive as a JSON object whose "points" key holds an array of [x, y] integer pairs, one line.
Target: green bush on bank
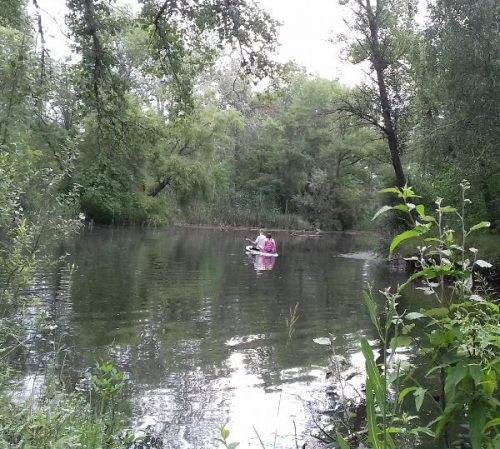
{"points": [[459, 352], [54, 420]]}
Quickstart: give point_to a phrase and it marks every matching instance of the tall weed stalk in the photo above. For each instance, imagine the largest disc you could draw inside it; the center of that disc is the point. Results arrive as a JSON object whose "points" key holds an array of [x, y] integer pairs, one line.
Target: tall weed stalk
{"points": [[461, 347]]}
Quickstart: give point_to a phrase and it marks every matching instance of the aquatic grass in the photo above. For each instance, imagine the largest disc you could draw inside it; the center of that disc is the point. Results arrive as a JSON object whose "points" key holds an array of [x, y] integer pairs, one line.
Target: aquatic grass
{"points": [[59, 420], [291, 321], [241, 214], [258, 436]]}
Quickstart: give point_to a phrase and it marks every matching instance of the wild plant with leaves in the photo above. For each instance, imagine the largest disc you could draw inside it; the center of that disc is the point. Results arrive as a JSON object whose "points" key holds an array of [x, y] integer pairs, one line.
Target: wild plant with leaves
{"points": [[461, 348], [223, 439]]}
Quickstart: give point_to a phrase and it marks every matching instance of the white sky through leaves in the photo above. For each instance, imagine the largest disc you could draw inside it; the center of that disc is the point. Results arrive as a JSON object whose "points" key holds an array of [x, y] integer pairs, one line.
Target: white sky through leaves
{"points": [[304, 35]]}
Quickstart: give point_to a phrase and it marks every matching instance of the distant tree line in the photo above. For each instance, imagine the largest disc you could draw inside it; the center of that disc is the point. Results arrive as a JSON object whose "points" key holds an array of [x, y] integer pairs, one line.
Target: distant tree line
{"points": [[157, 120]]}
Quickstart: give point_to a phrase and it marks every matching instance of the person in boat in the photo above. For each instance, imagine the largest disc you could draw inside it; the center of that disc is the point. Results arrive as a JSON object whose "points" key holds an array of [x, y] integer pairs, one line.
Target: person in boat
{"points": [[258, 243], [270, 244]]}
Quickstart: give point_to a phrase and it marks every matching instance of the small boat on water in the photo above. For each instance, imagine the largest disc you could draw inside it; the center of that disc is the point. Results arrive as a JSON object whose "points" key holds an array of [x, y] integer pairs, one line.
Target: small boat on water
{"points": [[249, 250]]}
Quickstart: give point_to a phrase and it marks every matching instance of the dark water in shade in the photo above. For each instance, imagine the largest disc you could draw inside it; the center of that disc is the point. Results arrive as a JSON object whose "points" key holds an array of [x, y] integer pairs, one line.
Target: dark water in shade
{"points": [[203, 337]]}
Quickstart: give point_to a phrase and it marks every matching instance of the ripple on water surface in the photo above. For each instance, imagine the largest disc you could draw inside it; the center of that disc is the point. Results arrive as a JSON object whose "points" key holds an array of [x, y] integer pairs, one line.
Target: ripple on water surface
{"points": [[201, 328]]}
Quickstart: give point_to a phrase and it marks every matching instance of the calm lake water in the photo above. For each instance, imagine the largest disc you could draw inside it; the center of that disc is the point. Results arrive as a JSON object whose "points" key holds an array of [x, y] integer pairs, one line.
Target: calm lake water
{"points": [[200, 328]]}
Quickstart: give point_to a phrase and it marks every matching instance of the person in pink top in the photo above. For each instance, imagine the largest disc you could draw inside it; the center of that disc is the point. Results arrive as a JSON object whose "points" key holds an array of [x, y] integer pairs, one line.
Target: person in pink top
{"points": [[270, 244]]}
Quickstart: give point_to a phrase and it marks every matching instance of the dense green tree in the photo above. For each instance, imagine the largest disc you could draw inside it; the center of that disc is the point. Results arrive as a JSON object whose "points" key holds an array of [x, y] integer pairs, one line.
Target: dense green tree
{"points": [[13, 14], [125, 148], [382, 32], [16, 71], [308, 161], [459, 101], [158, 110]]}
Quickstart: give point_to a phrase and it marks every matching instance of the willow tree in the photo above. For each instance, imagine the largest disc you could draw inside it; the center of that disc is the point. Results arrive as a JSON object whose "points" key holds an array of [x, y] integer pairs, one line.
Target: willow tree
{"points": [[381, 35], [179, 40]]}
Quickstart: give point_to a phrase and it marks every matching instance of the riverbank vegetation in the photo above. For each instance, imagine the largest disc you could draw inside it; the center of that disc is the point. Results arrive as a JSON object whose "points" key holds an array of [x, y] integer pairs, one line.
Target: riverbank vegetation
{"points": [[448, 391], [177, 113], [156, 120]]}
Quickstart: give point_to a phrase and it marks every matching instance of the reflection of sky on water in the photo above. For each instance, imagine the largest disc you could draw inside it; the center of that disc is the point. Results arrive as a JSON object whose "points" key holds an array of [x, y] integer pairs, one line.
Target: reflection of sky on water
{"points": [[241, 400], [273, 412], [203, 340]]}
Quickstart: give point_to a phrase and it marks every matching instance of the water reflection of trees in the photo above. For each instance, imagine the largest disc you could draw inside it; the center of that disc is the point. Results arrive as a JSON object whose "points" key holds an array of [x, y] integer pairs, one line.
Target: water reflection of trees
{"points": [[166, 304]]}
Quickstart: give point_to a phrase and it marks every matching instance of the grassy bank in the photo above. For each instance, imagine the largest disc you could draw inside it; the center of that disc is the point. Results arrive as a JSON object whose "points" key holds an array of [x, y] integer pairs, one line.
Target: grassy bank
{"points": [[221, 215]]}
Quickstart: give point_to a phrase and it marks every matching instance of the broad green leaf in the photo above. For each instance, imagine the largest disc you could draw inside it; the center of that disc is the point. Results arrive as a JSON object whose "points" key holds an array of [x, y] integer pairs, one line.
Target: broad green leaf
{"points": [[391, 190], [232, 445], [434, 272], [420, 208], [376, 379], [477, 419], [382, 210], [407, 328], [401, 237], [402, 207], [342, 442], [409, 193], [476, 373], [447, 209], [405, 392], [371, 417], [419, 397], [372, 310], [483, 264], [454, 375], [492, 423], [419, 274], [400, 341], [441, 338], [482, 225], [490, 383], [437, 312]]}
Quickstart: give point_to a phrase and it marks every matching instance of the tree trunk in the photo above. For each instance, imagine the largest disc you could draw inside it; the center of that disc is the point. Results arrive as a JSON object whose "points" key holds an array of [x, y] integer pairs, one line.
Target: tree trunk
{"points": [[379, 66], [159, 187]]}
